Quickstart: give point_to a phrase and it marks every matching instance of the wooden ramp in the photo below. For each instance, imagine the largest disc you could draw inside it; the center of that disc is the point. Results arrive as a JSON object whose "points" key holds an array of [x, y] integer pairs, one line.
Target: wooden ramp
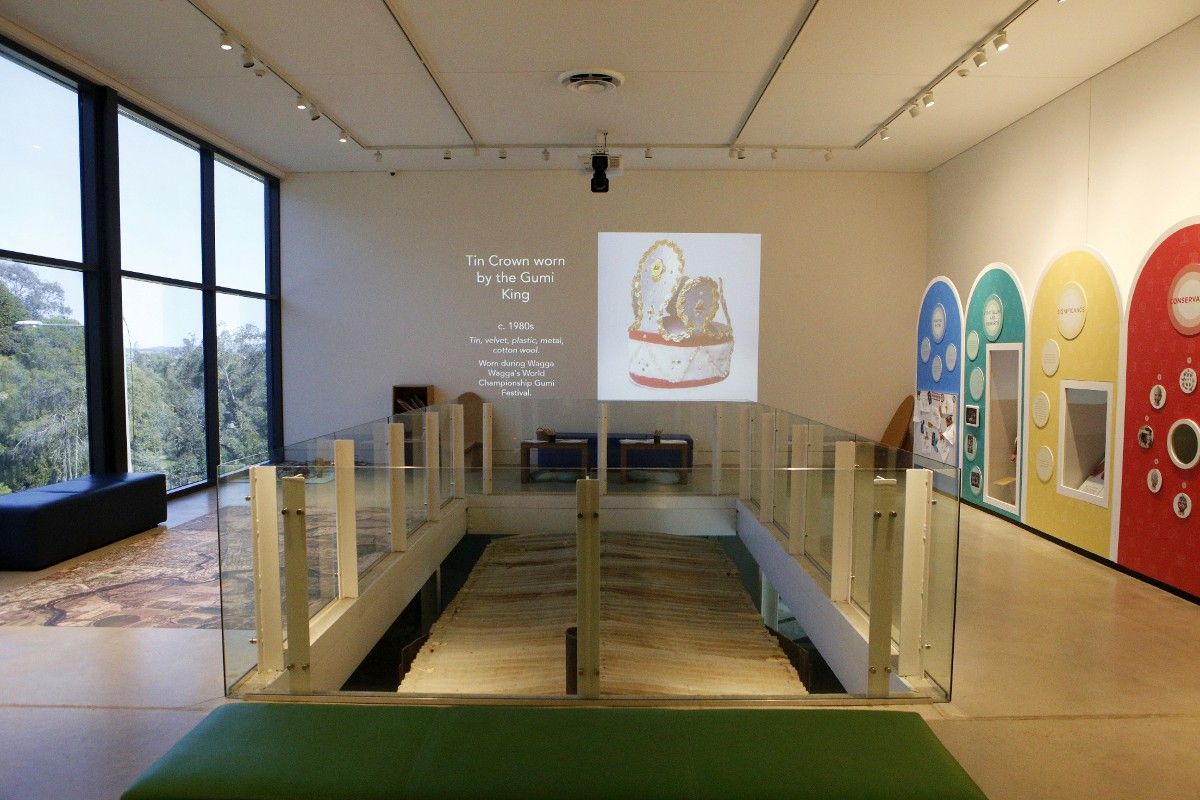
{"points": [[674, 620]]}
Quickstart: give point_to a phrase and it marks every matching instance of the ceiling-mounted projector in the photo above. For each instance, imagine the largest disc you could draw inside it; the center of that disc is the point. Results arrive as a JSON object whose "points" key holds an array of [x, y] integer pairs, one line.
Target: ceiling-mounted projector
{"points": [[600, 167]]}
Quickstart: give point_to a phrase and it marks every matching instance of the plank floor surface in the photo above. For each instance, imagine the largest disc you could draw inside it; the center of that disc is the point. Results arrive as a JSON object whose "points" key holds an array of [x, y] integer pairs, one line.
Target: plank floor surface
{"points": [[674, 620]]}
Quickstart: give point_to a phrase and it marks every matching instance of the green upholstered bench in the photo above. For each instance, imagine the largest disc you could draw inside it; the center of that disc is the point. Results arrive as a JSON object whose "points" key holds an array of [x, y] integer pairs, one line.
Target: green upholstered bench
{"points": [[298, 751]]}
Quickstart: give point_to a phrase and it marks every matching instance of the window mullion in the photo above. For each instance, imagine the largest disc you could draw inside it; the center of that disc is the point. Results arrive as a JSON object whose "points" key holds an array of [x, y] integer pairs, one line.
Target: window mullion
{"points": [[208, 271]]}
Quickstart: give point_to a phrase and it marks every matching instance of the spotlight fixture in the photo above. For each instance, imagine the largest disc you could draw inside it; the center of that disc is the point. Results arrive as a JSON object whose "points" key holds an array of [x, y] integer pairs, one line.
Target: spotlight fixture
{"points": [[963, 71], [980, 58], [247, 59], [649, 153], [883, 134], [927, 100], [313, 114], [1000, 42], [446, 155], [774, 153], [914, 110], [599, 173], [733, 152], [828, 155], [545, 154], [503, 153], [343, 137], [226, 42], [741, 153], [378, 156], [301, 102]]}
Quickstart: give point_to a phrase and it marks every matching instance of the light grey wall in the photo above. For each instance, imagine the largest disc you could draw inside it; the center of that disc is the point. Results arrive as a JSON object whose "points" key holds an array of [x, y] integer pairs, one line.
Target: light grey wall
{"points": [[1111, 165], [376, 290]]}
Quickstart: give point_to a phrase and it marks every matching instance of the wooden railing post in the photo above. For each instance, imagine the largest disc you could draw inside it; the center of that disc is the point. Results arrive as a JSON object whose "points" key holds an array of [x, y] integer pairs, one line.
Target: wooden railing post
{"points": [[398, 486], [345, 515], [587, 587], [295, 565]]}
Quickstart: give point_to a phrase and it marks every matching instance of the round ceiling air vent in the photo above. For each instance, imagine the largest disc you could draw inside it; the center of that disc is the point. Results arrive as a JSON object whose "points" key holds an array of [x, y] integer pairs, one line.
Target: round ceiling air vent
{"points": [[591, 81]]}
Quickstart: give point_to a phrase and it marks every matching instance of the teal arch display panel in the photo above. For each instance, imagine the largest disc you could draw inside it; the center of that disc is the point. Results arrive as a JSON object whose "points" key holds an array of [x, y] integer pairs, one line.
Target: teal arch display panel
{"points": [[994, 352]]}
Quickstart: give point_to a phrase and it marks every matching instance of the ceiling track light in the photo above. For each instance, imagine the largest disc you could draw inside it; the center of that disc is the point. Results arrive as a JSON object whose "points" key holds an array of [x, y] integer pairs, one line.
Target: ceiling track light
{"points": [[226, 41], [828, 155], [313, 114], [649, 152], [883, 134], [774, 153], [914, 110], [545, 154], [446, 155], [301, 102], [927, 100], [343, 137], [963, 71], [503, 153], [1000, 42], [248, 59], [741, 153], [378, 156], [980, 58]]}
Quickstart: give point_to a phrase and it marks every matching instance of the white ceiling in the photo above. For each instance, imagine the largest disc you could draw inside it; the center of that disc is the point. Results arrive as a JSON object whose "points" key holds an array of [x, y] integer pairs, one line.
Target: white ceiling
{"points": [[693, 69]]}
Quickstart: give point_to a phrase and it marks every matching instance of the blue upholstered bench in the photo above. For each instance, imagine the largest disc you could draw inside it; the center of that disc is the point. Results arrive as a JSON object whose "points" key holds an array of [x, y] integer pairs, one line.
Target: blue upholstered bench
{"points": [[641, 459], [41, 527]]}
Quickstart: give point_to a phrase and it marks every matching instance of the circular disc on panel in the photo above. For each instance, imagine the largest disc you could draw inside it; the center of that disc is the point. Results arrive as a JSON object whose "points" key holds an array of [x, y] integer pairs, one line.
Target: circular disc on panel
{"points": [[1183, 443], [1154, 480], [926, 349], [1158, 396], [973, 345], [1072, 310], [976, 383], [993, 317], [1145, 437], [1045, 463], [951, 357], [1050, 357], [1184, 300], [1187, 381], [1182, 505], [936, 368], [1041, 409], [937, 322]]}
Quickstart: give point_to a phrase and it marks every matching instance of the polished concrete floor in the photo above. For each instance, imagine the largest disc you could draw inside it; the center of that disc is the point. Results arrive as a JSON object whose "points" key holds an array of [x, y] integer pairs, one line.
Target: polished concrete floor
{"points": [[1071, 681]]}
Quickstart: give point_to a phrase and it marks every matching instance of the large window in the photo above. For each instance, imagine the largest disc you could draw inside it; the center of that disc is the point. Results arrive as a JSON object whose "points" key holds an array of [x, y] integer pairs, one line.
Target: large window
{"points": [[138, 289], [241, 228], [242, 376], [43, 389], [173, 400], [40, 207], [160, 202], [164, 380]]}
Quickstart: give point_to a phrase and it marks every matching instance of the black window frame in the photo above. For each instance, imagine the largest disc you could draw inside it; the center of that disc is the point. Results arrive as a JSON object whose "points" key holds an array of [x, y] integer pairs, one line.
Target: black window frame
{"points": [[100, 224]]}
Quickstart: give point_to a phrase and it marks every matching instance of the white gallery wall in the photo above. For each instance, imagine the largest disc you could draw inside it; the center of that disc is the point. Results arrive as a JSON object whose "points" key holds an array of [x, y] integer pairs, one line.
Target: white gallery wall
{"points": [[1111, 164], [377, 289]]}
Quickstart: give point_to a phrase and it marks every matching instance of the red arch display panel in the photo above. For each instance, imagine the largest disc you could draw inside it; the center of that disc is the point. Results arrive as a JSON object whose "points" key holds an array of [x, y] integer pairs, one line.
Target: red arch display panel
{"points": [[1160, 528]]}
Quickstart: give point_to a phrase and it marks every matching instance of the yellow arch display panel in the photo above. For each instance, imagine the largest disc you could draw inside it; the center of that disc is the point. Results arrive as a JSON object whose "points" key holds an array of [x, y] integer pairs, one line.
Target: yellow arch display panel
{"points": [[1071, 425]]}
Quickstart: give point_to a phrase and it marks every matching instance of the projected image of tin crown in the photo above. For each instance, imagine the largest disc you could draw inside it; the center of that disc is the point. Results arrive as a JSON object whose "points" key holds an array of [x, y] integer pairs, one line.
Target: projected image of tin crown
{"points": [[676, 340]]}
